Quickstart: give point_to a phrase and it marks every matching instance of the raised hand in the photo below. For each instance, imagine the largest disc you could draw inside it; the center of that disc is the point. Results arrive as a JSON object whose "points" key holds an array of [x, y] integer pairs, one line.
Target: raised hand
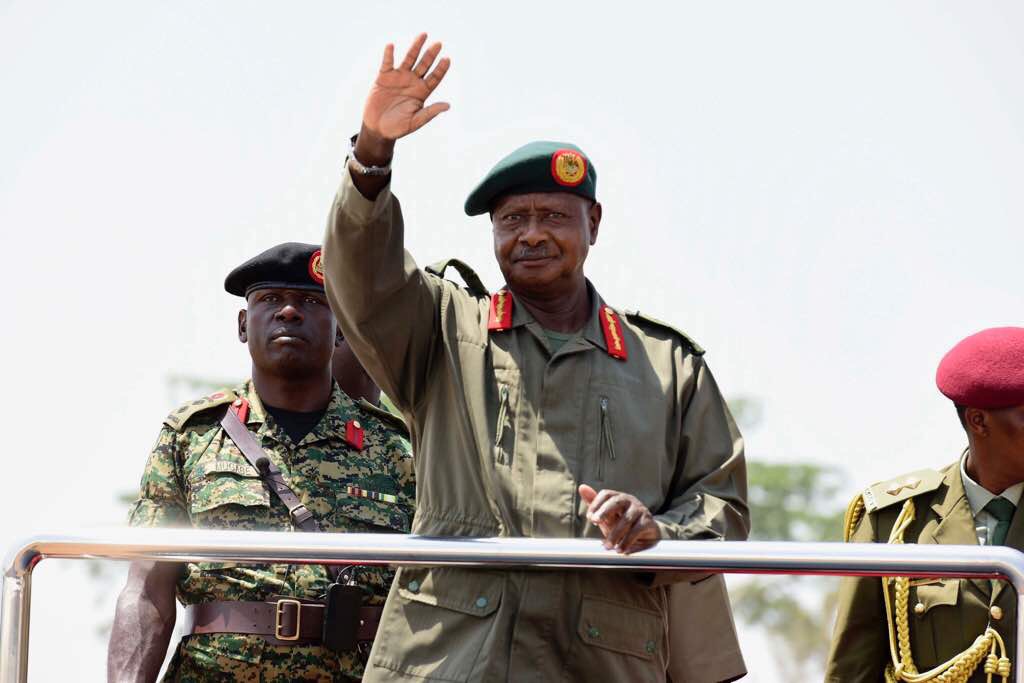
{"points": [[395, 106]]}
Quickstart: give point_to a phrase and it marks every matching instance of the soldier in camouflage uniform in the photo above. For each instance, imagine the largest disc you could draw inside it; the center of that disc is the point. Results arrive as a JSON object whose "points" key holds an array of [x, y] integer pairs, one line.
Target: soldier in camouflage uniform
{"points": [[348, 461]]}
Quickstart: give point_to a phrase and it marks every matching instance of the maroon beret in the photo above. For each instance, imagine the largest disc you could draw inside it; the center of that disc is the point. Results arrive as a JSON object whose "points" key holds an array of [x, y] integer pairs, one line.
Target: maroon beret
{"points": [[986, 370]]}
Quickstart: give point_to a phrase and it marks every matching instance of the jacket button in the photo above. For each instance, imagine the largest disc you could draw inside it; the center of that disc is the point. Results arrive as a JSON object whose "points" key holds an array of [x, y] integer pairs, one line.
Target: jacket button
{"points": [[413, 586], [594, 632], [481, 602], [237, 402], [996, 612], [650, 647], [919, 608]]}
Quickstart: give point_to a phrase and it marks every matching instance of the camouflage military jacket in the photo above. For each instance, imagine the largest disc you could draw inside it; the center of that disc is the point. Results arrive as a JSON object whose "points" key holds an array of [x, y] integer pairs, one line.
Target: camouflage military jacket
{"points": [[196, 476]]}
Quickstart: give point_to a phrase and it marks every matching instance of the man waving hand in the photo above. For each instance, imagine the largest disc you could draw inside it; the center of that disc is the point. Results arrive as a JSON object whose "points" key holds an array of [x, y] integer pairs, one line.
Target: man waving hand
{"points": [[536, 410]]}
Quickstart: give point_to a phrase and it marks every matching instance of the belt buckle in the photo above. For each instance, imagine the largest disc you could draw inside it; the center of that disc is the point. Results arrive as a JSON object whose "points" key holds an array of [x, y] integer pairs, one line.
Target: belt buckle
{"points": [[279, 618]]}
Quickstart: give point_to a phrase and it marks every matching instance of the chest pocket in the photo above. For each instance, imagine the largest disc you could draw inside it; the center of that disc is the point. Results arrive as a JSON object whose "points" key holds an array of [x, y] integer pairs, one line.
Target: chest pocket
{"points": [[606, 437], [227, 493], [935, 620], [357, 514], [504, 425]]}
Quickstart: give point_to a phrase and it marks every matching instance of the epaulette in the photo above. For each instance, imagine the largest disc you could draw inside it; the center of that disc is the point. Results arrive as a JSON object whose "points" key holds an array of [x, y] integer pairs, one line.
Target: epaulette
{"points": [[384, 415], [891, 491], [469, 276], [695, 348], [180, 417]]}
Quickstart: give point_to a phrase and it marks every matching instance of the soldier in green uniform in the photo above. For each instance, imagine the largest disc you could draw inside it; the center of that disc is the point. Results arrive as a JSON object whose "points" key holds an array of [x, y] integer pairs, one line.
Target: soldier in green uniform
{"points": [[944, 630], [348, 463], [537, 410]]}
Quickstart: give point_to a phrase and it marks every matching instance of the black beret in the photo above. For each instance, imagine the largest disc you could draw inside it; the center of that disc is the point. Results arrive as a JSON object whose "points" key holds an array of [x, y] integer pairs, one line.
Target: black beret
{"points": [[536, 167], [291, 265]]}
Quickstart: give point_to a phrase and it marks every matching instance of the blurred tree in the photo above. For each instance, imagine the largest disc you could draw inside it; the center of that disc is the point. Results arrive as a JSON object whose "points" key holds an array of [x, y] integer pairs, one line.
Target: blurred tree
{"points": [[793, 502], [790, 501]]}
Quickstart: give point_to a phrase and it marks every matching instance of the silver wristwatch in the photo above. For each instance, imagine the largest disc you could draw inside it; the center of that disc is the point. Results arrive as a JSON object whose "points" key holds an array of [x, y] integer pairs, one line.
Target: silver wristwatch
{"points": [[361, 168]]}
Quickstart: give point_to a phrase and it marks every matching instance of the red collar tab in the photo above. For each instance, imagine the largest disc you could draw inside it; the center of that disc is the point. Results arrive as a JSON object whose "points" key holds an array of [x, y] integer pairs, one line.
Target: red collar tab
{"points": [[240, 407], [354, 434], [613, 337], [500, 318]]}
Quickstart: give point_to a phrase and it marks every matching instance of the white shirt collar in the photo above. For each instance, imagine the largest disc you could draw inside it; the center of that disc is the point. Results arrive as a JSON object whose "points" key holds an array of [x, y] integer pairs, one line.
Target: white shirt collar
{"points": [[978, 496]]}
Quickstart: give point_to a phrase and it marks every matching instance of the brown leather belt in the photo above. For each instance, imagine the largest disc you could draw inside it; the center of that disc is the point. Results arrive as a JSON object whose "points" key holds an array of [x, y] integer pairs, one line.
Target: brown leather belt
{"points": [[282, 622]]}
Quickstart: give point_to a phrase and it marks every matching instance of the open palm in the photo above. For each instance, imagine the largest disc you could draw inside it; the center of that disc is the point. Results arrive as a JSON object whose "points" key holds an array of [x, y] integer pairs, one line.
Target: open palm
{"points": [[395, 106]]}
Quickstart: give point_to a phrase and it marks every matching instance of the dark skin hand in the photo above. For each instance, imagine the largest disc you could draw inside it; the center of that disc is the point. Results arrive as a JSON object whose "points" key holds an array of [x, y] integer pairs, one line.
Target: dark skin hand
{"points": [[396, 106], [143, 622], [351, 377], [626, 523], [291, 335], [995, 458], [541, 241]]}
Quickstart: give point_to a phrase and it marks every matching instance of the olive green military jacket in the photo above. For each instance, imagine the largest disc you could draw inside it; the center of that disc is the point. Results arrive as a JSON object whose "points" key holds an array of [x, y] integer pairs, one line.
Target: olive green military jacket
{"points": [[503, 431], [196, 476], [711, 653], [946, 615]]}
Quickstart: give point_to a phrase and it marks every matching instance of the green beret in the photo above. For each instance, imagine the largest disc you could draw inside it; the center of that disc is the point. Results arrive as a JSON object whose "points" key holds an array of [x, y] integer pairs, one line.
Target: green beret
{"points": [[291, 265], [536, 167]]}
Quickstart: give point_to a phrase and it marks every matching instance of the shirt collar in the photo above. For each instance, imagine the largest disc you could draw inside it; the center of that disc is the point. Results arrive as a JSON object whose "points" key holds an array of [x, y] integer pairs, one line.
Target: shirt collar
{"points": [[592, 331], [978, 496], [331, 425]]}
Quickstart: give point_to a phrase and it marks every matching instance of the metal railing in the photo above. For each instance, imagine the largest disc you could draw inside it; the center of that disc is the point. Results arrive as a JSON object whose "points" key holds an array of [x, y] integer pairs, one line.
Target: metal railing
{"points": [[195, 545]]}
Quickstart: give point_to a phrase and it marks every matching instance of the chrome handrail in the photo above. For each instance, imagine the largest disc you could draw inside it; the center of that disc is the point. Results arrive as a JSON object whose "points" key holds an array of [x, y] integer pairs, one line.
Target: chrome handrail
{"points": [[761, 557]]}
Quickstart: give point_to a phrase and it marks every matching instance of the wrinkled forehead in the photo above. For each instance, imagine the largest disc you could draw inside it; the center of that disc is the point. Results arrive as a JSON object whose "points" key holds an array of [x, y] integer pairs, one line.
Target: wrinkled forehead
{"points": [[537, 201]]}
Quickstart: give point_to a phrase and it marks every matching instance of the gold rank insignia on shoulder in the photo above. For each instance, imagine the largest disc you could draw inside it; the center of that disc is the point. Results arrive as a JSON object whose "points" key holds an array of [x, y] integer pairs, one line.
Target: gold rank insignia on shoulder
{"points": [[898, 489], [372, 495], [568, 167]]}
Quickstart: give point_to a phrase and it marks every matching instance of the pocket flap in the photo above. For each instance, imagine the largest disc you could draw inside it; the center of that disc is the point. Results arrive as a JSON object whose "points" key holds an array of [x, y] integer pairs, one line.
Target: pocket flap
{"points": [[376, 514], [936, 593], [477, 593], [621, 628], [227, 488]]}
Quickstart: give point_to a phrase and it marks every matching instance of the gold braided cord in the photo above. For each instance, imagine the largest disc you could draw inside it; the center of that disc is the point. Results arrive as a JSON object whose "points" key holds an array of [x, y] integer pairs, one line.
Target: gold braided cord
{"points": [[989, 646], [854, 512]]}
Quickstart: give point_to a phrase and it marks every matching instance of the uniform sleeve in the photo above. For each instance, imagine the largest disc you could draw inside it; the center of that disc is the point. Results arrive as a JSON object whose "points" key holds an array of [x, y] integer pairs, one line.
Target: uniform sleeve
{"points": [[709, 493], [404, 472], [859, 649], [387, 308], [161, 500]]}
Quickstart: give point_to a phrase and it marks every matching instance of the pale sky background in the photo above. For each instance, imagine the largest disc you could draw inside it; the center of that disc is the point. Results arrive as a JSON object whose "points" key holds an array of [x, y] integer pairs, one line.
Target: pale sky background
{"points": [[825, 196]]}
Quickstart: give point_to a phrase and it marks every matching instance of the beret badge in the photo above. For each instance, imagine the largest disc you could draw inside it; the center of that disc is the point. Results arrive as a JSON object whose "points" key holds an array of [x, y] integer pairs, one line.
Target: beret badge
{"points": [[568, 167], [316, 267]]}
